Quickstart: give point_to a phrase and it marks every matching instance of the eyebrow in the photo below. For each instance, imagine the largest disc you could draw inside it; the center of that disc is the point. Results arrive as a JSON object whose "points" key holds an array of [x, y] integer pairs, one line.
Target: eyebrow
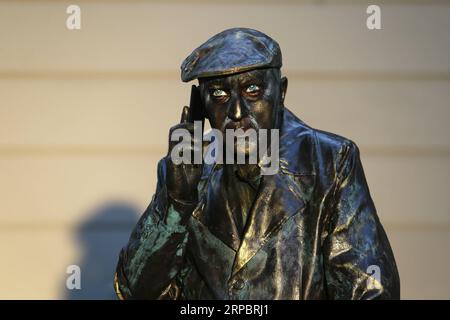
{"points": [[215, 82], [252, 76]]}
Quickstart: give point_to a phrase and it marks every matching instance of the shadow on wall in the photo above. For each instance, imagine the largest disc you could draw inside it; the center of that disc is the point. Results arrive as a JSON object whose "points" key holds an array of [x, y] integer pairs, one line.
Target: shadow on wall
{"points": [[100, 239]]}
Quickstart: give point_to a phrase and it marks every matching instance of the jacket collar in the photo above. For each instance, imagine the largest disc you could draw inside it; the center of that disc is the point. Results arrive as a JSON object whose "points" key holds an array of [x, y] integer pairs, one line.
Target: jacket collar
{"points": [[276, 202]]}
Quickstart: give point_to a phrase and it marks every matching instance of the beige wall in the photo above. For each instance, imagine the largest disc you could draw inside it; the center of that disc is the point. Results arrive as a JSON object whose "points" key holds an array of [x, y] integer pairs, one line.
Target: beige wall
{"points": [[84, 118]]}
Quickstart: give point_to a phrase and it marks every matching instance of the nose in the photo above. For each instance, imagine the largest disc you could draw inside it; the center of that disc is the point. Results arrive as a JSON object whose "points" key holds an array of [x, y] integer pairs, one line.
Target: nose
{"points": [[237, 110]]}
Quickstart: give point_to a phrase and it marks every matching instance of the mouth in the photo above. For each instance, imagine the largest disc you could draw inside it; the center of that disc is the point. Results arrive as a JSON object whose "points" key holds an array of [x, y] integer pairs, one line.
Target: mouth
{"points": [[244, 124]]}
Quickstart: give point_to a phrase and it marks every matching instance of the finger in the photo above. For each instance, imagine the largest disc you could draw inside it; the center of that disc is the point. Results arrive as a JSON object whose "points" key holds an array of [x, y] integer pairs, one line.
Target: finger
{"points": [[184, 114], [187, 125]]}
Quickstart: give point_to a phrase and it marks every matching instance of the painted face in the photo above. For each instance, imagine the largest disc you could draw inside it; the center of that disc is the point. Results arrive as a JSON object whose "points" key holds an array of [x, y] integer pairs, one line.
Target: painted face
{"points": [[247, 100]]}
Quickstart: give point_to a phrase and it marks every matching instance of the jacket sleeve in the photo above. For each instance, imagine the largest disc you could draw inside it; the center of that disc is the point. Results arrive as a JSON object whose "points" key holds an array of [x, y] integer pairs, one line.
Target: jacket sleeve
{"points": [[358, 259], [154, 255]]}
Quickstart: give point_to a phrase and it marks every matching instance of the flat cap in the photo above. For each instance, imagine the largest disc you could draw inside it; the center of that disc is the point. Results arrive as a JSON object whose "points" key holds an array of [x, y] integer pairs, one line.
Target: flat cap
{"points": [[231, 51]]}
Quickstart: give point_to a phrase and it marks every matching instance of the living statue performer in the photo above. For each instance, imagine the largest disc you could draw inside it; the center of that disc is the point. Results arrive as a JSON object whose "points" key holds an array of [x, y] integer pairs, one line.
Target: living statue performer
{"points": [[226, 230]]}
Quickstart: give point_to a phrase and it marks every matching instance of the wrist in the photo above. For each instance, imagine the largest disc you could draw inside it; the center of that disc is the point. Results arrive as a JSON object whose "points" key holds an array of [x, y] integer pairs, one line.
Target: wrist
{"points": [[182, 206], [183, 200]]}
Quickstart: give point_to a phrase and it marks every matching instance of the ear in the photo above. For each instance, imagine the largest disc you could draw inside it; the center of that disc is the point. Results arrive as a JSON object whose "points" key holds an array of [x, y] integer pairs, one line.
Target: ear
{"points": [[284, 84]]}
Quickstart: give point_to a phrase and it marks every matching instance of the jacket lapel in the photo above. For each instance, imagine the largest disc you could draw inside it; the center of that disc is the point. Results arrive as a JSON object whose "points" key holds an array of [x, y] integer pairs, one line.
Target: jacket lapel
{"points": [[277, 201], [216, 211]]}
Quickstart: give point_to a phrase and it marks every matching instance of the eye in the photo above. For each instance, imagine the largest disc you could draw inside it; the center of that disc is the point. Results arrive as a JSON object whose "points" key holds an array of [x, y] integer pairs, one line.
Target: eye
{"points": [[253, 90], [219, 93]]}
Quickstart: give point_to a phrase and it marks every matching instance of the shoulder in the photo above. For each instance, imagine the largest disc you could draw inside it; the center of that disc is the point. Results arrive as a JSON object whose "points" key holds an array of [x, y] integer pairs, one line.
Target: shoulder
{"points": [[310, 150]]}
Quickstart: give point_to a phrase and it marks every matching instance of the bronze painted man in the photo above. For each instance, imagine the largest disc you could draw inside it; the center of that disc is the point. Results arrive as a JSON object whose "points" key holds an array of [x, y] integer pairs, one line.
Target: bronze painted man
{"points": [[226, 231]]}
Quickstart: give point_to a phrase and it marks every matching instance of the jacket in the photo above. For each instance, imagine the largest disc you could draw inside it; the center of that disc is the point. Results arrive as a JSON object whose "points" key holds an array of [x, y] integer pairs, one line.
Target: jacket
{"points": [[312, 233]]}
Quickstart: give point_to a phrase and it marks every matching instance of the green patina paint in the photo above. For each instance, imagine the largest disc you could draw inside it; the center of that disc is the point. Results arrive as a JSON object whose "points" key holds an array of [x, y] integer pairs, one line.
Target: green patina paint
{"points": [[173, 217], [200, 186], [155, 236]]}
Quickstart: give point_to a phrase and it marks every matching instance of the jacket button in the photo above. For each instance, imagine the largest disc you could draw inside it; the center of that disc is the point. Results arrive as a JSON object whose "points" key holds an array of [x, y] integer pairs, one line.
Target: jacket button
{"points": [[238, 284]]}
